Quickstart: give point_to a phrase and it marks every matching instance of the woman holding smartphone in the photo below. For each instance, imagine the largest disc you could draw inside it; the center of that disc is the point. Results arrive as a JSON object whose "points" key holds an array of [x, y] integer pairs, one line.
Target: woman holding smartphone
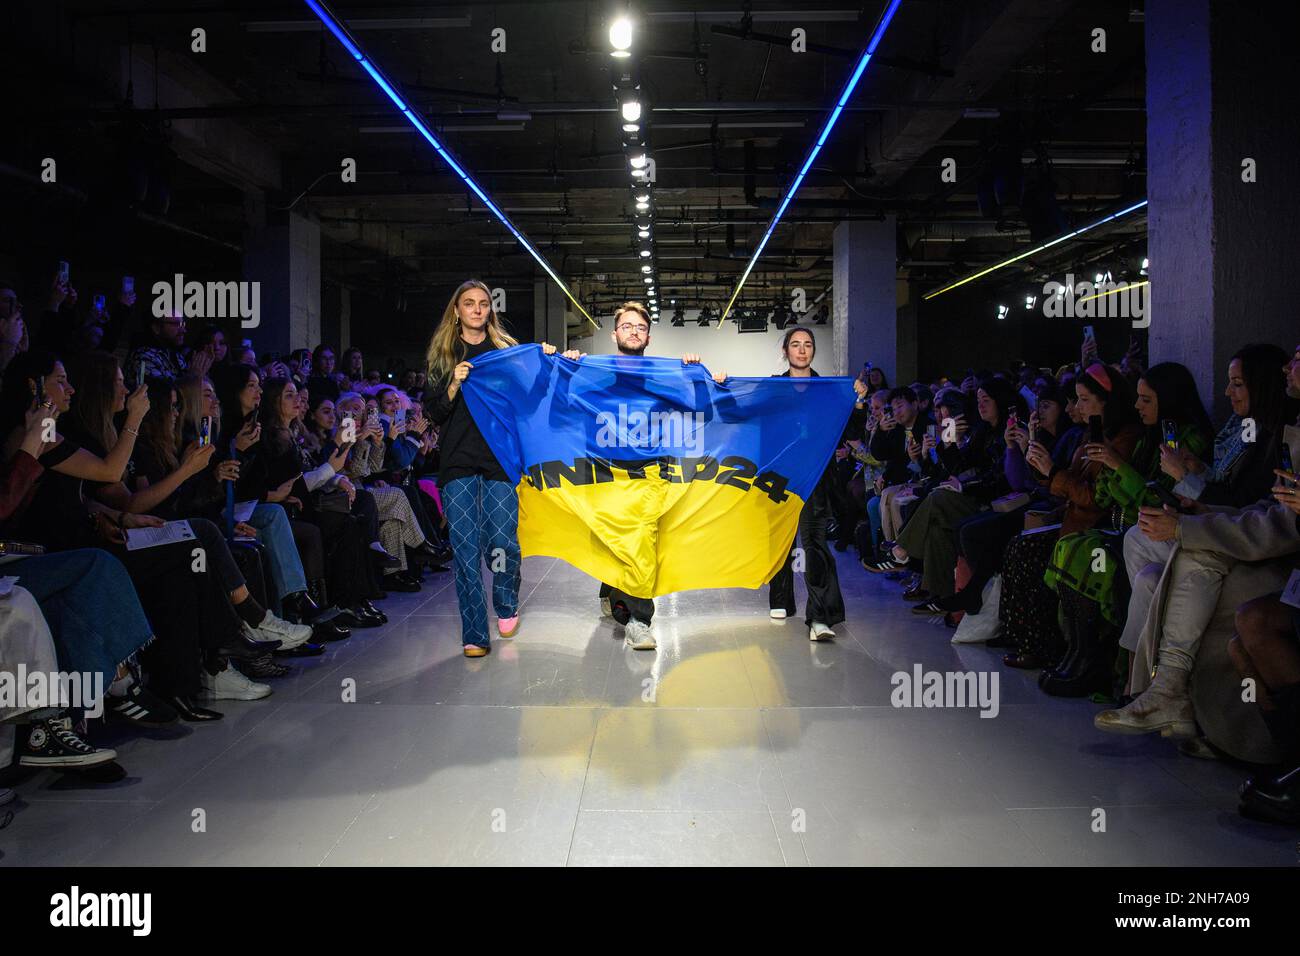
{"points": [[1029, 608]]}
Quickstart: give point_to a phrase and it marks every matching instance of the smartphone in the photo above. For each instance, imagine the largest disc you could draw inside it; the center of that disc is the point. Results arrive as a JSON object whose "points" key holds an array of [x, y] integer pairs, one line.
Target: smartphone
{"points": [[1088, 333], [128, 283], [139, 379], [1012, 419], [1165, 495], [1284, 462], [932, 431], [1096, 434], [99, 303], [1033, 431], [205, 431], [63, 272], [400, 417], [1170, 428], [40, 389]]}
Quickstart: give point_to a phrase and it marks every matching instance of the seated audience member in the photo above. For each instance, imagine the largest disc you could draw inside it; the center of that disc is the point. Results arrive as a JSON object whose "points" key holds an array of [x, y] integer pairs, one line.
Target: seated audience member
{"points": [[970, 465], [1210, 545], [352, 367], [300, 367], [175, 598], [161, 355], [1028, 607], [1088, 564], [272, 470], [398, 528], [895, 443], [73, 611], [983, 538], [322, 381], [13, 328]]}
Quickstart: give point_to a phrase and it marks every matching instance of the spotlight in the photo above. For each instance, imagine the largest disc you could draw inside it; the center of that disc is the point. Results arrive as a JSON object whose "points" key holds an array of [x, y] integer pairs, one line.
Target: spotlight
{"points": [[823, 315], [1145, 263], [648, 280], [642, 197], [646, 267], [638, 160], [631, 111], [706, 315], [642, 206], [1002, 311], [643, 233], [1031, 301], [620, 37], [645, 253], [679, 320], [1097, 279]]}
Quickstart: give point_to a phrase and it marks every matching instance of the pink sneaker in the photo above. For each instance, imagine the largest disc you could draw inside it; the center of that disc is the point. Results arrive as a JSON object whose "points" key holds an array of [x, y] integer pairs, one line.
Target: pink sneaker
{"points": [[506, 626]]}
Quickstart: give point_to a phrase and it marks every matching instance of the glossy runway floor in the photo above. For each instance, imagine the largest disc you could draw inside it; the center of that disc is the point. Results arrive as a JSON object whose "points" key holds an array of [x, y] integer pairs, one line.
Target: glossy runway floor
{"points": [[738, 742]]}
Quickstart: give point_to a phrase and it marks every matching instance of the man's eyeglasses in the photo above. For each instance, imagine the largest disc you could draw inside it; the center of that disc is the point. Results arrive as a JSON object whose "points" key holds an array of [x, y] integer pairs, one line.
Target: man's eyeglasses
{"points": [[627, 327]]}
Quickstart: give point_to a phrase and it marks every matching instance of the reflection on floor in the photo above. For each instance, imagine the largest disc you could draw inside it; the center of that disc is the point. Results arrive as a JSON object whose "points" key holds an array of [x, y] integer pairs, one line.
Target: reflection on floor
{"points": [[738, 742]]}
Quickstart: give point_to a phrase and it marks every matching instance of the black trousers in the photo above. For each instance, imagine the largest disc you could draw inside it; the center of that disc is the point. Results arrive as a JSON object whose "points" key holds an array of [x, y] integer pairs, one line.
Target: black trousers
{"points": [[349, 570], [982, 540], [821, 576], [190, 611], [628, 608]]}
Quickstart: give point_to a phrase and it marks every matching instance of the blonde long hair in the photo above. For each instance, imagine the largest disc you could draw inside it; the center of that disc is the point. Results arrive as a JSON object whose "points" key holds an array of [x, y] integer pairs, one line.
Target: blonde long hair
{"points": [[441, 356]]}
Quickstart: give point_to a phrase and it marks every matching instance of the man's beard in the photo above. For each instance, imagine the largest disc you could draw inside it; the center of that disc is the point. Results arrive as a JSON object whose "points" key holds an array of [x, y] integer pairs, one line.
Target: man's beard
{"points": [[624, 350]]}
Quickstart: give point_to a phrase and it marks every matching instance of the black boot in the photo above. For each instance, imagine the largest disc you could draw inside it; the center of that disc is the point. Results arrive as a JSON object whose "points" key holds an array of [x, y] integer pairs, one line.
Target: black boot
{"points": [[1091, 670], [1273, 801]]}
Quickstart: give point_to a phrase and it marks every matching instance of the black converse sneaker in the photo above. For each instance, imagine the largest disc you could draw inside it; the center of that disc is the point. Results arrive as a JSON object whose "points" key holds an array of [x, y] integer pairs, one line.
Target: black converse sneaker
{"points": [[141, 707], [53, 743]]}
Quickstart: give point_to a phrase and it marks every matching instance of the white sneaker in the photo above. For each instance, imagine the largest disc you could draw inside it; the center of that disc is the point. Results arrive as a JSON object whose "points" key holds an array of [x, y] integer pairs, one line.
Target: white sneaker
{"points": [[606, 608], [777, 613], [637, 635], [820, 632], [274, 628], [232, 685]]}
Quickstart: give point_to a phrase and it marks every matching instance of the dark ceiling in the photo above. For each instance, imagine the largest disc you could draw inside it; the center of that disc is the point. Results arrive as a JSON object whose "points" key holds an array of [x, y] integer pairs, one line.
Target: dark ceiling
{"points": [[1000, 86]]}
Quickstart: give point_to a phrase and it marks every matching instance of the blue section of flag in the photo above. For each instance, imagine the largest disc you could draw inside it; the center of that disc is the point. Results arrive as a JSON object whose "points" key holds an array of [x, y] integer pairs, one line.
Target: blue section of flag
{"points": [[533, 407]]}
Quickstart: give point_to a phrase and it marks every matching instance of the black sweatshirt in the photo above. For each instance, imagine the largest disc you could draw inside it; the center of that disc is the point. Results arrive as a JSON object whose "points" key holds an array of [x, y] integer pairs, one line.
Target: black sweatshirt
{"points": [[464, 451]]}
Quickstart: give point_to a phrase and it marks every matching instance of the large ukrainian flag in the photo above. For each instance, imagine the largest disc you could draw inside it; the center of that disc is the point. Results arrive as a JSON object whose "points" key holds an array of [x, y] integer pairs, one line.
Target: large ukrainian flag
{"points": [[646, 474]]}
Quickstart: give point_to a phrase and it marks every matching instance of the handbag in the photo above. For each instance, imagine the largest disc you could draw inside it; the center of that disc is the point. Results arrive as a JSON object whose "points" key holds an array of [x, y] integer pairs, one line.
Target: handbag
{"points": [[333, 500]]}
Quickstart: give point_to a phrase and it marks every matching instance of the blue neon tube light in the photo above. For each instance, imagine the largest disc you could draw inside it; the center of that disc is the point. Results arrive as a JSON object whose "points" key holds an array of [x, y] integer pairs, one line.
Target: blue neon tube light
{"points": [[340, 31], [881, 26]]}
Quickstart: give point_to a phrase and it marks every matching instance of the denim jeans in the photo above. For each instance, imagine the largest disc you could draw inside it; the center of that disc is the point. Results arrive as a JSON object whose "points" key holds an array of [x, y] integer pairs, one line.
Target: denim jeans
{"points": [[483, 516], [90, 605], [274, 532]]}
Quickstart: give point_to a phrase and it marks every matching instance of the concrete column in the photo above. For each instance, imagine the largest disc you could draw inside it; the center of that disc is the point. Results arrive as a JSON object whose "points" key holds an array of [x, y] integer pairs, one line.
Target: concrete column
{"points": [[284, 258], [864, 313], [1218, 94]]}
